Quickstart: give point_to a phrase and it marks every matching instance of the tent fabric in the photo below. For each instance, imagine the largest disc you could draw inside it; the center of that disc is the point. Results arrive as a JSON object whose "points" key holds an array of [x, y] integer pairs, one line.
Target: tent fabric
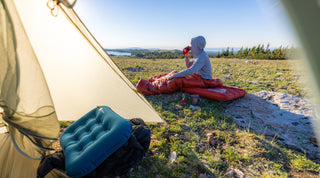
{"points": [[68, 3], [90, 140], [76, 67], [13, 164], [161, 84], [305, 18], [49, 70], [24, 95]]}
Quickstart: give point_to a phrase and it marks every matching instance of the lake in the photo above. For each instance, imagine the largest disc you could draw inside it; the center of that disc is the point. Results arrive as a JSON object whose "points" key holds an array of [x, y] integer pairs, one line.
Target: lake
{"points": [[118, 53]]}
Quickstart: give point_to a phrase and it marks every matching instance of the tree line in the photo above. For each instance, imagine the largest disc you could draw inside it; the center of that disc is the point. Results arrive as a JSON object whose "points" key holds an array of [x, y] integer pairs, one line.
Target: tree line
{"points": [[256, 52], [260, 52]]}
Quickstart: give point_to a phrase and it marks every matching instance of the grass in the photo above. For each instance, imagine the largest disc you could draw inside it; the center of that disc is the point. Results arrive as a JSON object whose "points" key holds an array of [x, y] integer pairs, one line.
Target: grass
{"points": [[228, 147], [251, 75]]}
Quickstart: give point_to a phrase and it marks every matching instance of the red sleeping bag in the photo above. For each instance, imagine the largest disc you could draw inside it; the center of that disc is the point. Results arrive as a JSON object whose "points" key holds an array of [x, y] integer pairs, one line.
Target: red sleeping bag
{"points": [[161, 84], [193, 84]]}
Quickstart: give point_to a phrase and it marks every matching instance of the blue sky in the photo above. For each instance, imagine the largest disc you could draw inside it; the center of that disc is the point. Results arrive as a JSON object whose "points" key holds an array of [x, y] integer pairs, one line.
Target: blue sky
{"points": [[170, 24]]}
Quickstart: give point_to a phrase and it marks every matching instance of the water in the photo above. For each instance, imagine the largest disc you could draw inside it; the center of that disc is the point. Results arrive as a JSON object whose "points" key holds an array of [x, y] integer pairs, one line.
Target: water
{"points": [[118, 53]]}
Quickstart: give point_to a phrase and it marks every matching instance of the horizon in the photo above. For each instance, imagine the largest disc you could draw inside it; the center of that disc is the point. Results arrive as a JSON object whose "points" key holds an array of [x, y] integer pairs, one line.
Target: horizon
{"points": [[209, 48]]}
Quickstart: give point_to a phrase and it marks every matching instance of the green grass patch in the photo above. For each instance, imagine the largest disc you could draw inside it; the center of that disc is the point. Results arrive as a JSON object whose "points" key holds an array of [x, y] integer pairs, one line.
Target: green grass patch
{"points": [[185, 131]]}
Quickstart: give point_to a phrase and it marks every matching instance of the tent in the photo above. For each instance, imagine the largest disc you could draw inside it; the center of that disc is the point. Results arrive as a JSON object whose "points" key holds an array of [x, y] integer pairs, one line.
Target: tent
{"points": [[52, 68], [304, 16]]}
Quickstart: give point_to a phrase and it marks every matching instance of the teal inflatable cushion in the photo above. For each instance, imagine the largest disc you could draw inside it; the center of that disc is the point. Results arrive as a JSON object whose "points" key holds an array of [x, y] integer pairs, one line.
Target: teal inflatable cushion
{"points": [[93, 138]]}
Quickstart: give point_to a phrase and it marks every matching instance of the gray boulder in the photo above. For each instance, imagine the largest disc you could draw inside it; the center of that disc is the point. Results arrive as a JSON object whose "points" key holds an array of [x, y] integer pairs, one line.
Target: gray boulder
{"points": [[287, 118]]}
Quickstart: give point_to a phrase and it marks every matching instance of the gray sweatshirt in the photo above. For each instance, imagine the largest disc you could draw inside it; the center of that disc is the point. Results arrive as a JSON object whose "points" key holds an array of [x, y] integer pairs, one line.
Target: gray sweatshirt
{"points": [[201, 62]]}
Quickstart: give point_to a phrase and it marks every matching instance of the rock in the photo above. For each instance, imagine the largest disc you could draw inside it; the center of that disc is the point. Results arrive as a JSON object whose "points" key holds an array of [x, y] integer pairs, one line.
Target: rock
{"points": [[240, 121], [194, 99], [314, 141], [285, 117], [255, 82], [211, 140], [194, 108], [235, 173], [173, 156], [228, 77], [294, 147], [269, 133], [204, 176]]}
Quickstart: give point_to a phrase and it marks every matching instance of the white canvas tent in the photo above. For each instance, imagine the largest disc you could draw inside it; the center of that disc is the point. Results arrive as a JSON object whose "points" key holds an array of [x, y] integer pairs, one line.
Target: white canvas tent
{"points": [[78, 70], [52, 68]]}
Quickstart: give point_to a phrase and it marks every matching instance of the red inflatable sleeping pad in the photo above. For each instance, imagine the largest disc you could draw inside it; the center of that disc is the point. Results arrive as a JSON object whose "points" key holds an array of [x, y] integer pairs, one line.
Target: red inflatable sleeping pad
{"points": [[221, 93]]}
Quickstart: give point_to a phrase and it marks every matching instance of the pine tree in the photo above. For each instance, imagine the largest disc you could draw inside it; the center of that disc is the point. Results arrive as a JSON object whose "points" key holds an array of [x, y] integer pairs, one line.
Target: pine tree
{"points": [[258, 50], [227, 52], [245, 52], [218, 55], [239, 53], [231, 53], [262, 49]]}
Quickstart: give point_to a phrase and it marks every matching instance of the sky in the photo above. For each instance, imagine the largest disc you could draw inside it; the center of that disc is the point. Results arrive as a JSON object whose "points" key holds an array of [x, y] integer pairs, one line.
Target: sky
{"points": [[170, 24]]}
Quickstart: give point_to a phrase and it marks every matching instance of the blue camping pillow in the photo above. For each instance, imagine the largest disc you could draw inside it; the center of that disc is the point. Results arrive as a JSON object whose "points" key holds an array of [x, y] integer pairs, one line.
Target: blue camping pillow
{"points": [[93, 138]]}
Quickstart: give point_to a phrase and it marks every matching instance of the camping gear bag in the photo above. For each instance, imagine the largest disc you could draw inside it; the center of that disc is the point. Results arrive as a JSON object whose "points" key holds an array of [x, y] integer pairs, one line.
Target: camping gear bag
{"points": [[100, 143]]}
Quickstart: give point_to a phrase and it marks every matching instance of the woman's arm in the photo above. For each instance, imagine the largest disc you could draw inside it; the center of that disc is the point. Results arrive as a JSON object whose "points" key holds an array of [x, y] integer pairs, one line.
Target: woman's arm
{"points": [[193, 69], [188, 62]]}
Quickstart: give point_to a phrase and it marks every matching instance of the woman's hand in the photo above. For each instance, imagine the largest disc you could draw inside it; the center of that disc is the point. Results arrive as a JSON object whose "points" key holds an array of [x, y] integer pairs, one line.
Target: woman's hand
{"points": [[187, 55]]}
